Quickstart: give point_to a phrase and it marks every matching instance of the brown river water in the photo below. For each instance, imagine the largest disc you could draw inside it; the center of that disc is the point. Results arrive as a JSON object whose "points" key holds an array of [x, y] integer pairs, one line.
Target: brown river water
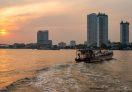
{"points": [[56, 71]]}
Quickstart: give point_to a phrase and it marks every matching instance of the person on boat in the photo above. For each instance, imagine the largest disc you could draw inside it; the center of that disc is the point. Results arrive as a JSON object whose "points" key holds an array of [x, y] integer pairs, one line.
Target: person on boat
{"points": [[100, 51], [79, 55], [91, 53]]}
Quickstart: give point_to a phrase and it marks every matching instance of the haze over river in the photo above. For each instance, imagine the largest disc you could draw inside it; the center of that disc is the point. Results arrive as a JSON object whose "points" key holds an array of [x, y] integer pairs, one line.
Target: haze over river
{"points": [[24, 70]]}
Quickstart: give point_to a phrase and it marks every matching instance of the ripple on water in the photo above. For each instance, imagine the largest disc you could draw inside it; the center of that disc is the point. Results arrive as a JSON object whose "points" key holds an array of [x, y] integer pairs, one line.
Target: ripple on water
{"points": [[77, 78], [70, 78]]}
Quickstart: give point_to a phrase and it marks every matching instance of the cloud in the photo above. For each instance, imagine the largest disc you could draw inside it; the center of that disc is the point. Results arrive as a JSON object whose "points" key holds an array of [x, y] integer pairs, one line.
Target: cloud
{"points": [[16, 15], [60, 16]]}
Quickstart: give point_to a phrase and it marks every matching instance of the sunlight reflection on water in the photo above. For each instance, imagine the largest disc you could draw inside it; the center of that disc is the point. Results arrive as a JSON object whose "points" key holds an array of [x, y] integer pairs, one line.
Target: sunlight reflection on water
{"points": [[58, 72]]}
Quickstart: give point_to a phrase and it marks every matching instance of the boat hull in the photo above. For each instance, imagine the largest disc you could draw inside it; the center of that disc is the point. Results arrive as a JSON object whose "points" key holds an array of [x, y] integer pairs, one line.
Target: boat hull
{"points": [[95, 60]]}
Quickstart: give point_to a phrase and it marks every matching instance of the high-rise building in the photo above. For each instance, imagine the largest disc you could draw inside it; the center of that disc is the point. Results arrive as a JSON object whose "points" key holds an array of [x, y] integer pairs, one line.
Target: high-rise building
{"points": [[91, 29], [124, 32], [97, 29], [43, 39], [42, 36], [102, 29]]}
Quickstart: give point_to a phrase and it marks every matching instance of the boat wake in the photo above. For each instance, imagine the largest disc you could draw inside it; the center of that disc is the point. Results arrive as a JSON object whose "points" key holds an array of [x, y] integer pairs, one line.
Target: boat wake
{"points": [[80, 77]]}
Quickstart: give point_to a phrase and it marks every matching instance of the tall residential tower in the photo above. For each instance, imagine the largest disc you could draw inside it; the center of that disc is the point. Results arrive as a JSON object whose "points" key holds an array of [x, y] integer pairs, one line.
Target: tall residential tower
{"points": [[124, 33], [102, 29], [91, 29]]}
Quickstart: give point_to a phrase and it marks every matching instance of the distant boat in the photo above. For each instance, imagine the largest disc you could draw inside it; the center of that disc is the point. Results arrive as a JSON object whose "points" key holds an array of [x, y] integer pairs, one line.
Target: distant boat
{"points": [[92, 56]]}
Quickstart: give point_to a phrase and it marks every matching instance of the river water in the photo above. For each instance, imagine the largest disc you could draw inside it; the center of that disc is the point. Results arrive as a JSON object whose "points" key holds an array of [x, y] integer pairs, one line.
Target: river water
{"points": [[56, 71]]}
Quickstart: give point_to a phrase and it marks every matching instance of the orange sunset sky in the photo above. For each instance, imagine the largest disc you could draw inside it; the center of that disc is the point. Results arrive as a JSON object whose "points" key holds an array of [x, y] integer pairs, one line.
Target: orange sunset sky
{"points": [[65, 19]]}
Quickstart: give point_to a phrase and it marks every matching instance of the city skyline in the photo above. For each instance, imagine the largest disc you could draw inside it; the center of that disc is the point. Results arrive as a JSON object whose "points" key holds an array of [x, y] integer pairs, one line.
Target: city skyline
{"points": [[25, 17]]}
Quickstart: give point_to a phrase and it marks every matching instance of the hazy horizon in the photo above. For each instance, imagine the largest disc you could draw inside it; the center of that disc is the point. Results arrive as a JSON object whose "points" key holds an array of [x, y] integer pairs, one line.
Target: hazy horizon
{"points": [[66, 20]]}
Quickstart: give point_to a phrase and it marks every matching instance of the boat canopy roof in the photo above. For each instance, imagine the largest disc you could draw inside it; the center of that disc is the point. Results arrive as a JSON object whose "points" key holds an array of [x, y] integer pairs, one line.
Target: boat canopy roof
{"points": [[85, 50]]}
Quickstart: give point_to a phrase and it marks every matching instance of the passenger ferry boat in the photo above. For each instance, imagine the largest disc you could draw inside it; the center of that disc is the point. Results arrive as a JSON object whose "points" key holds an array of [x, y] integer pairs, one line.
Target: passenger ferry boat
{"points": [[92, 56]]}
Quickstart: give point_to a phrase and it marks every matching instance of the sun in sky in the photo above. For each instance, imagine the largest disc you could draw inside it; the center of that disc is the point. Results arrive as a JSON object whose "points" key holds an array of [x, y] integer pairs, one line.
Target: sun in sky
{"points": [[3, 31]]}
